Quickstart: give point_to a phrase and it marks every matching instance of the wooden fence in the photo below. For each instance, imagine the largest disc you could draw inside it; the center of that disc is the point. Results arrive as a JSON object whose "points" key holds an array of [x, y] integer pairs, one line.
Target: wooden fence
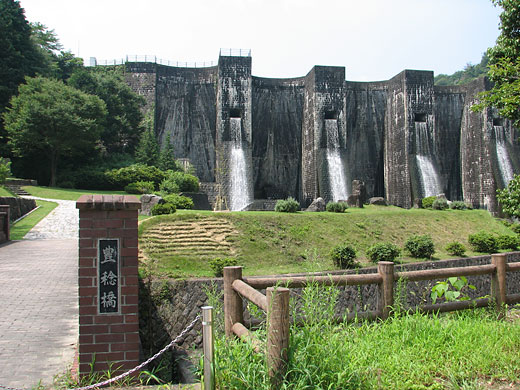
{"points": [[276, 301]]}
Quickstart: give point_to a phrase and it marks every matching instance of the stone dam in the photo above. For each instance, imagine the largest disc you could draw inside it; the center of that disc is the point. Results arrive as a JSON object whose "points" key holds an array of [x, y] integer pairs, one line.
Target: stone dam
{"points": [[252, 139]]}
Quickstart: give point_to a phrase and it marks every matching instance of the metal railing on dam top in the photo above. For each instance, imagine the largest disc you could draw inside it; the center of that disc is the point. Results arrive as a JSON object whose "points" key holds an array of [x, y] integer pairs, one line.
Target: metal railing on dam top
{"points": [[182, 64]]}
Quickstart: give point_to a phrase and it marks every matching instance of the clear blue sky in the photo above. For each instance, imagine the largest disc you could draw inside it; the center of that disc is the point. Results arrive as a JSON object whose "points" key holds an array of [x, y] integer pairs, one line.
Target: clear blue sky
{"points": [[373, 39]]}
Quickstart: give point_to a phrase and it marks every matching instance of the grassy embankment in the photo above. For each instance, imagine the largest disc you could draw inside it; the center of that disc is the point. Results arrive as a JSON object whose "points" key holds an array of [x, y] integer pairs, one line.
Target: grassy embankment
{"points": [[272, 243]]}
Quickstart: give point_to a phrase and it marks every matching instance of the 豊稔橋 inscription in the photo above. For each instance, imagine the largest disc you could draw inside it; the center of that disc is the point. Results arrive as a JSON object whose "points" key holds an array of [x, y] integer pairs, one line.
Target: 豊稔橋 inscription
{"points": [[108, 276]]}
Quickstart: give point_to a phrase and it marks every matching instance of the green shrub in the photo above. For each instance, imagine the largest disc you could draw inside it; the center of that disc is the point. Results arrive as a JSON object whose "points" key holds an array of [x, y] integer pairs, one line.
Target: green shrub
{"points": [[516, 228], [289, 205], [5, 169], [344, 256], [180, 202], [163, 208], [87, 178], [458, 205], [440, 204], [179, 181], [455, 248], [218, 264], [506, 241], [420, 246], [140, 187], [383, 251], [428, 202], [483, 242], [138, 172], [336, 207]]}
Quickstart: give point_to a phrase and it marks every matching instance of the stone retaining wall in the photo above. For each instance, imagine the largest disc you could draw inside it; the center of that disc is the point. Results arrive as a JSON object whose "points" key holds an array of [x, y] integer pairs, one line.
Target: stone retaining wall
{"points": [[168, 306], [18, 206]]}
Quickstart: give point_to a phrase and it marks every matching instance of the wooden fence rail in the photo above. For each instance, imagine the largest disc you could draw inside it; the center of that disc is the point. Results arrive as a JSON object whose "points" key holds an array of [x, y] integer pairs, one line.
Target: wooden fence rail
{"points": [[276, 301]]}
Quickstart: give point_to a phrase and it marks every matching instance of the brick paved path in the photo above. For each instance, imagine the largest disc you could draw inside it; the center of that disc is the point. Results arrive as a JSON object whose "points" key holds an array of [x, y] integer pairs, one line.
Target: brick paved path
{"points": [[38, 303]]}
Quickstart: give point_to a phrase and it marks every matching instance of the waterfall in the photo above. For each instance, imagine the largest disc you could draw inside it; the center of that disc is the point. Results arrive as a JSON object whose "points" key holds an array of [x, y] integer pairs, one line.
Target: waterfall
{"points": [[337, 180], [504, 164], [239, 195], [424, 152]]}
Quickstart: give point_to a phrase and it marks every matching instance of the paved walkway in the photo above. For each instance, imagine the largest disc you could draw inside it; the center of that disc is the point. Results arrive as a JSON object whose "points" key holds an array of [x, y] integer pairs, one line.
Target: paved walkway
{"points": [[38, 301]]}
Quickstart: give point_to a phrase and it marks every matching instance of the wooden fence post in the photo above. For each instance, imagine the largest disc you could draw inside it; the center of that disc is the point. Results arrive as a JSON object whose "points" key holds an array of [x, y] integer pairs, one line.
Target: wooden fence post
{"points": [[277, 334], [233, 311], [386, 289], [498, 281]]}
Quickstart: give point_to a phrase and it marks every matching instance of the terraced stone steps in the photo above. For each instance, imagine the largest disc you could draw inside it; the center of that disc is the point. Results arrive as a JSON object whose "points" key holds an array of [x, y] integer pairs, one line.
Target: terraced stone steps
{"points": [[190, 238]]}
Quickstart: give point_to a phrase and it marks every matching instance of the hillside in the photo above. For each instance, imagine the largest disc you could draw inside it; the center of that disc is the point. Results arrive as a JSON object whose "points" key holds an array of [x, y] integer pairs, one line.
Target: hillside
{"points": [[470, 73], [268, 243]]}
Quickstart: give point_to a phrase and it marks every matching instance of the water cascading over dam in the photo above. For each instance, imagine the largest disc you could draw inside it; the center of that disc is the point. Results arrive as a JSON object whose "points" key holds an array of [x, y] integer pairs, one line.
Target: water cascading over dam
{"points": [[504, 164], [239, 187], [424, 155], [337, 177]]}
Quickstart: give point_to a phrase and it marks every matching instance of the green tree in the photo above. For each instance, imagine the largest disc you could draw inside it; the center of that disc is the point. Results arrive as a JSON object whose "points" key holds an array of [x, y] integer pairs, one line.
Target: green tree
{"points": [[167, 158], [147, 151], [470, 73], [122, 127], [504, 65], [509, 197], [54, 119]]}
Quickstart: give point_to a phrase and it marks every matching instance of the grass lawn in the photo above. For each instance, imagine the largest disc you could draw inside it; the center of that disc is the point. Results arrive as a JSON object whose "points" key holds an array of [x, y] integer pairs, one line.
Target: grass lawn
{"points": [[22, 227], [4, 192], [271, 243], [65, 193]]}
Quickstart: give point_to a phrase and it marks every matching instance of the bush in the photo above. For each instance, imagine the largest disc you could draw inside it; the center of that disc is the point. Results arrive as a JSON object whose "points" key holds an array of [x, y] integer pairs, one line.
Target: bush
{"points": [[506, 241], [383, 251], [140, 187], [180, 202], [440, 204], [218, 264], [455, 248], [289, 205], [163, 208], [428, 202], [483, 242], [344, 256], [121, 177], [420, 246], [516, 228], [5, 169], [336, 207], [87, 178], [458, 205], [179, 181]]}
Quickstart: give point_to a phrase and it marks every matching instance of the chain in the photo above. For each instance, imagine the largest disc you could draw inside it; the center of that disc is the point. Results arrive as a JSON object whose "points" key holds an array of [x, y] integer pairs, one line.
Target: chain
{"points": [[116, 378]]}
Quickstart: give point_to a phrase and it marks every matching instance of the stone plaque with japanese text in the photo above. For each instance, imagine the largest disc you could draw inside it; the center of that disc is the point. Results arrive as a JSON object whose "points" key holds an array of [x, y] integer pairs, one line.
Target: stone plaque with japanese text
{"points": [[108, 276]]}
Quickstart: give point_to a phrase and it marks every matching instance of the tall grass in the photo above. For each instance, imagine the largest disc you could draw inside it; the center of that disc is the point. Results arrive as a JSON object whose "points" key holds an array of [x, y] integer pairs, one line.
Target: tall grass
{"points": [[460, 350]]}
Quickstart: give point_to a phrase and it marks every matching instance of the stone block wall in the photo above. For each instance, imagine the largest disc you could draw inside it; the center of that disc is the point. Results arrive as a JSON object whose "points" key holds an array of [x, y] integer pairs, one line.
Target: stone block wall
{"points": [[18, 206], [282, 123], [168, 306]]}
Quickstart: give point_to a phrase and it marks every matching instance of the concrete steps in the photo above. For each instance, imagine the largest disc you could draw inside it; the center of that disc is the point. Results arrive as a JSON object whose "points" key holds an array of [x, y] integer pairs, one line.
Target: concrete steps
{"points": [[16, 189]]}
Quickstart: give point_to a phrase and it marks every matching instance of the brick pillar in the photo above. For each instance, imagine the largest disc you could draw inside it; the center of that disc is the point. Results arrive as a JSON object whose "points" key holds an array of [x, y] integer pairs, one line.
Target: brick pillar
{"points": [[108, 282]]}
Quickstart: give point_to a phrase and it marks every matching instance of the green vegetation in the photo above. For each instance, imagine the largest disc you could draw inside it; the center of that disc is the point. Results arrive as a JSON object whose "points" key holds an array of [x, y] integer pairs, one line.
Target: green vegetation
{"points": [[458, 205], [483, 241], [22, 227], [455, 248], [427, 202], [140, 187], [344, 256], [452, 289], [336, 207], [5, 192], [289, 205], [270, 243], [504, 65], [509, 197], [440, 204], [470, 73], [163, 209], [420, 246], [383, 251], [218, 264], [404, 352], [65, 193]]}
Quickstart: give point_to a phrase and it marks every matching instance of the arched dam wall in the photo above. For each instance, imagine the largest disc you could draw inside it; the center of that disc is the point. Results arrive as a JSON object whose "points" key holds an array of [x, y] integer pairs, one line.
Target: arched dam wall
{"points": [[306, 137]]}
